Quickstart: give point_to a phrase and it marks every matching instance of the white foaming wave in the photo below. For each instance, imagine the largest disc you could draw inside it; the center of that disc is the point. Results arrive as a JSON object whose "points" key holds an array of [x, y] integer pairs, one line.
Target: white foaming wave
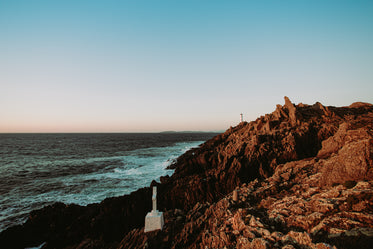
{"points": [[132, 171], [136, 170], [119, 171], [142, 166]]}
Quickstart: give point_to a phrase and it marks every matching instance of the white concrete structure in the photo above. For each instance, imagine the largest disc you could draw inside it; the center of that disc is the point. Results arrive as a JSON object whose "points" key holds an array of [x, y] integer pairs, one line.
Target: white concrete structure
{"points": [[241, 119], [154, 220]]}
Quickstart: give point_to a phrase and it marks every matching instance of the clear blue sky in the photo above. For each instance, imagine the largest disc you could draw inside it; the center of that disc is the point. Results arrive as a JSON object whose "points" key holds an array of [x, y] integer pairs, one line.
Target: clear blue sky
{"points": [[129, 66]]}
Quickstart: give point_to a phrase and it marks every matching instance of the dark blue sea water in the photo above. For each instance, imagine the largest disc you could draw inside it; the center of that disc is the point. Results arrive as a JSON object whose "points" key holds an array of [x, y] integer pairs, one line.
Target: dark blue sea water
{"points": [[40, 169]]}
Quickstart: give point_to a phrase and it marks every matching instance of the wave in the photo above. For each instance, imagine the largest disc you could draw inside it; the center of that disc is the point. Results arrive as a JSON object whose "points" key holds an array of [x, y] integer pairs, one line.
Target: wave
{"points": [[84, 181]]}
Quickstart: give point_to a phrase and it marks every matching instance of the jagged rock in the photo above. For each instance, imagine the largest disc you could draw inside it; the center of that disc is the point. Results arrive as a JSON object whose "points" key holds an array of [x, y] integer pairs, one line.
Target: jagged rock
{"points": [[292, 111], [258, 243], [323, 109], [290, 169], [255, 223], [303, 239], [342, 166]]}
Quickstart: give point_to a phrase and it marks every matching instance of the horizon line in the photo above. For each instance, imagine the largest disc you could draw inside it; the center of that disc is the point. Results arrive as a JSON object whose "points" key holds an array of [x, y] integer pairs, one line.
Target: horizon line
{"points": [[112, 132]]}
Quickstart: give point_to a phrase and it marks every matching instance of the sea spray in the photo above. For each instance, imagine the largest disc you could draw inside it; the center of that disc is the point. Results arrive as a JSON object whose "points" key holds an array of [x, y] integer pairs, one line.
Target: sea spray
{"points": [[40, 169]]}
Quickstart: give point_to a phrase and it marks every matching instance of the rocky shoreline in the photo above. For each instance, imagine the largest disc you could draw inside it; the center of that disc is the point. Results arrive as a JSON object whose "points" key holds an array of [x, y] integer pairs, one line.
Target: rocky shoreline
{"points": [[300, 177]]}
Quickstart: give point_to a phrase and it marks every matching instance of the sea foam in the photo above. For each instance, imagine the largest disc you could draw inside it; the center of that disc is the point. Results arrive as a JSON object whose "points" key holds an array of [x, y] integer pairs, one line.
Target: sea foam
{"points": [[70, 178]]}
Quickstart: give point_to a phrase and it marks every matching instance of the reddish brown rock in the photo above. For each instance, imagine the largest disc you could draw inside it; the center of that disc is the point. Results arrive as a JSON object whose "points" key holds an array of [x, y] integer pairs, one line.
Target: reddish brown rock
{"points": [[360, 105], [306, 203], [304, 178]]}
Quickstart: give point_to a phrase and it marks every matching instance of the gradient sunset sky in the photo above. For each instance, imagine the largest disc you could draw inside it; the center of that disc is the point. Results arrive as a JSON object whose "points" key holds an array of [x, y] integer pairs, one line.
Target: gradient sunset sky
{"points": [[144, 66]]}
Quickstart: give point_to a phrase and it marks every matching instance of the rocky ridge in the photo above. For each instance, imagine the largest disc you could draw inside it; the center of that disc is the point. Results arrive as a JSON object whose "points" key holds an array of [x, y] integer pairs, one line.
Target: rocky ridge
{"points": [[300, 177], [322, 201]]}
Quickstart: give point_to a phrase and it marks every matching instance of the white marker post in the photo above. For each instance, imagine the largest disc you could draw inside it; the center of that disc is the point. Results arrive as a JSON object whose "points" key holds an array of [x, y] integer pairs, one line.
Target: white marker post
{"points": [[154, 219]]}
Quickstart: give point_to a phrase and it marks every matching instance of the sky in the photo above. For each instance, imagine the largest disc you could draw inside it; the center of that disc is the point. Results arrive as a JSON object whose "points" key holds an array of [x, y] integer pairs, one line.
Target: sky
{"points": [[149, 66]]}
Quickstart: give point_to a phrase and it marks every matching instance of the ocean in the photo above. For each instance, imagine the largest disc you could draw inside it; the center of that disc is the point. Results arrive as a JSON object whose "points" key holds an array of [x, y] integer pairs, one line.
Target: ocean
{"points": [[41, 169]]}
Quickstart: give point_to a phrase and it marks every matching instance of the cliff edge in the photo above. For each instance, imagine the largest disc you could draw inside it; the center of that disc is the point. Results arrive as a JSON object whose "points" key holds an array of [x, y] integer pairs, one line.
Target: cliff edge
{"points": [[300, 177]]}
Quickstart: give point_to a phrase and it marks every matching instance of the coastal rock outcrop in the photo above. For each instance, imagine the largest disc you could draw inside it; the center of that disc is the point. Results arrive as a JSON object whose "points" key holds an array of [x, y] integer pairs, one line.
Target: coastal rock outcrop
{"points": [[324, 201], [253, 150], [300, 177]]}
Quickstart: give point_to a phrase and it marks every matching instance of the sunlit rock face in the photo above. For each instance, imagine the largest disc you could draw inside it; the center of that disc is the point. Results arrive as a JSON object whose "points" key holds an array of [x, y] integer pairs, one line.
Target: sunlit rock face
{"points": [[301, 177], [254, 150], [304, 179]]}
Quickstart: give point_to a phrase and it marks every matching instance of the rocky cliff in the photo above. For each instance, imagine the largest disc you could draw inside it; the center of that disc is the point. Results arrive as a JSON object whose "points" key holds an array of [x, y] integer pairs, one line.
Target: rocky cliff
{"points": [[300, 177]]}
